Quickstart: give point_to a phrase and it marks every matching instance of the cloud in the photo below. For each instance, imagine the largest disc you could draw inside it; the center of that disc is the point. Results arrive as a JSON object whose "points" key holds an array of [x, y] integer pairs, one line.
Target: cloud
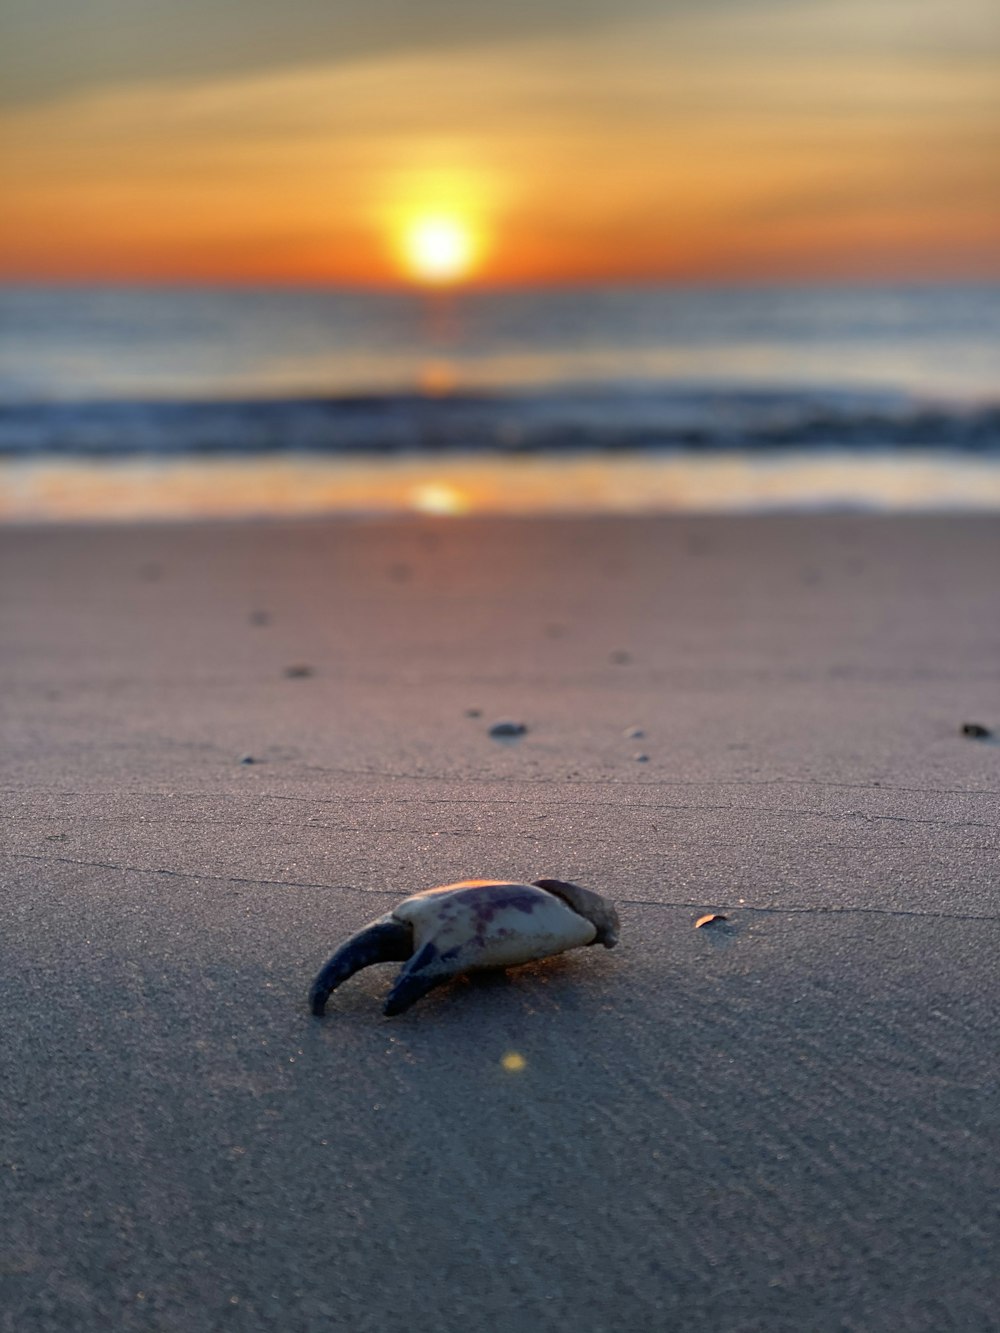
{"points": [[51, 47]]}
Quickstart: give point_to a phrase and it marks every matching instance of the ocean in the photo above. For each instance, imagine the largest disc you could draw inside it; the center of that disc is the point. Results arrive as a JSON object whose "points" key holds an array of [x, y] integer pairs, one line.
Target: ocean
{"points": [[195, 400]]}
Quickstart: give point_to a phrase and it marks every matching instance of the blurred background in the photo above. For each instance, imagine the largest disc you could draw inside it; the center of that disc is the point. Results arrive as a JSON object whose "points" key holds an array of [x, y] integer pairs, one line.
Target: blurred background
{"points": [[454, 257]]}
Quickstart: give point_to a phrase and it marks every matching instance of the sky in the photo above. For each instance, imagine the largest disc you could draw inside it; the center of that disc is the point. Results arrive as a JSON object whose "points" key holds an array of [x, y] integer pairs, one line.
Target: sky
{"points": [[571, 140]]}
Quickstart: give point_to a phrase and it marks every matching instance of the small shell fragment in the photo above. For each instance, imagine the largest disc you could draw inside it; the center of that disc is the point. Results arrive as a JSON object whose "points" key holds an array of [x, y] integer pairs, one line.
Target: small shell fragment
{"points": [[709, 919], [976, 731], [508, 729]]}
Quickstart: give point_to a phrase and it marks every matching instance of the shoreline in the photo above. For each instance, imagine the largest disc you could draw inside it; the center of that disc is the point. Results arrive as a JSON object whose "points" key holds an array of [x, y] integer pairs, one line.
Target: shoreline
{"points": [[65, 489]]}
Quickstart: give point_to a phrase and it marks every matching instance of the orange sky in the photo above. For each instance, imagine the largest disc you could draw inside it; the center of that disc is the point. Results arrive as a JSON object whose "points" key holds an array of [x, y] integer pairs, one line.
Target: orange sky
{"points": [[827, 138]]}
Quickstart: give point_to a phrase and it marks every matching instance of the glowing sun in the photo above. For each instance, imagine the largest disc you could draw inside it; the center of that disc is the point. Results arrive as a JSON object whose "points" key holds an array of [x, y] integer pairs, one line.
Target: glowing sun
{"points": [[439, 249]]}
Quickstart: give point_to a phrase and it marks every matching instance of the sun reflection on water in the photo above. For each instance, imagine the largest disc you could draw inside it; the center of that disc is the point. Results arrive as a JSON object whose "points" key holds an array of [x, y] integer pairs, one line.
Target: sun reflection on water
{"points": [[435, 497], [179, 488]]}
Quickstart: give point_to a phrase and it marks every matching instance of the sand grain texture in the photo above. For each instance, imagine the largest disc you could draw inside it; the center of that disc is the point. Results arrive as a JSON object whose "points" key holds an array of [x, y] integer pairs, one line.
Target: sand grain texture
{"points": [[786, 1123]]}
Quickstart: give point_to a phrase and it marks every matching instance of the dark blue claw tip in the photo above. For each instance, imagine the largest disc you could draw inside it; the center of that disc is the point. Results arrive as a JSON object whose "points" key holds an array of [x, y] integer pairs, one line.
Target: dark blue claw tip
{"points": [[386, 941], [409, 988]]}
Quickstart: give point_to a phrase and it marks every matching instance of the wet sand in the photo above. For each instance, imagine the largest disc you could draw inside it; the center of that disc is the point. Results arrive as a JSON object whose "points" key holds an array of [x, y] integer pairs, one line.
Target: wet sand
{"points": [[783, 1123], [290, 486]]}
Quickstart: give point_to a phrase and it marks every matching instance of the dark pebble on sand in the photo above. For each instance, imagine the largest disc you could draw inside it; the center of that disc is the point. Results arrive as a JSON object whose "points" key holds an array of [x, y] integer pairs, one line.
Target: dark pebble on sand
{"points": [[247, 759], [473, 712], [508, 729], [298, 671], [641, 758], [975, 731], [633, 733]]}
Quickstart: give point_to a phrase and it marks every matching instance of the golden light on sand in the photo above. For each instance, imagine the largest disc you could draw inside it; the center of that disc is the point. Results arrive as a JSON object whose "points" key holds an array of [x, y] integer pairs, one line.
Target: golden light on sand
{"points": [[435, 497], [513, 1062], [439, 249]]}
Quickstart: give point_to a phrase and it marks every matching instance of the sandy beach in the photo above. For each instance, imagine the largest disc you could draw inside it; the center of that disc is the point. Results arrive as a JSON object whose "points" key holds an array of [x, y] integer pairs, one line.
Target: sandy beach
{"points": [[783, 1123]]}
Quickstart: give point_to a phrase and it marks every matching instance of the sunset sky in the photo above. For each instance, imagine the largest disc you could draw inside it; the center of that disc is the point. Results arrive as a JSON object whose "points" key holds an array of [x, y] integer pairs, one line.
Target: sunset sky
{"points": [[559, 140]]}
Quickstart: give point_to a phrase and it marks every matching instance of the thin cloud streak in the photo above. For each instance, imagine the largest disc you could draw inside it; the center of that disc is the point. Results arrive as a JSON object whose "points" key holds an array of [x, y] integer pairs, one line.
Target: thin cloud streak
{"points": [[52, 47]]}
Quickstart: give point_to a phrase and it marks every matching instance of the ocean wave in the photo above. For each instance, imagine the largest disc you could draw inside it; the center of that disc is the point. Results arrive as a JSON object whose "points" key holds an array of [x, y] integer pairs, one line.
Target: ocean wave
{"points": [[605, 421]]}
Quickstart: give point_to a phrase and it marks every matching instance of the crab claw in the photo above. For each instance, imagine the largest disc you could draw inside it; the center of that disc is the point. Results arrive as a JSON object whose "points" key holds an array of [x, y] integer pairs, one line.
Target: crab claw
{"points": [[466, 927]]}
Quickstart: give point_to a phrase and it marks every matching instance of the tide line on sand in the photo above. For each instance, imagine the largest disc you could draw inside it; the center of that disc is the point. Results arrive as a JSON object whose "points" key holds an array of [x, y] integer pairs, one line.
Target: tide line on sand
{"points": [[54, 490]]}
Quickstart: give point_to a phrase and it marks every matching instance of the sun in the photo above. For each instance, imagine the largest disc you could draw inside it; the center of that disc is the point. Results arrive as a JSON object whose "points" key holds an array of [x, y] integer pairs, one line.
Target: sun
{"points": [[439, 249]]}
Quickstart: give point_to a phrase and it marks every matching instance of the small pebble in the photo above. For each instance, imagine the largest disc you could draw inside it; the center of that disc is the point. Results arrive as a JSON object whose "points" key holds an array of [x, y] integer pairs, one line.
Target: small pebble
{"points": [[620, 657], [247, 759], [710, 919], [473, 712], [298, 671], [641, 758], [633, 733], [975, 731], [508, 729], [260, 617]]}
